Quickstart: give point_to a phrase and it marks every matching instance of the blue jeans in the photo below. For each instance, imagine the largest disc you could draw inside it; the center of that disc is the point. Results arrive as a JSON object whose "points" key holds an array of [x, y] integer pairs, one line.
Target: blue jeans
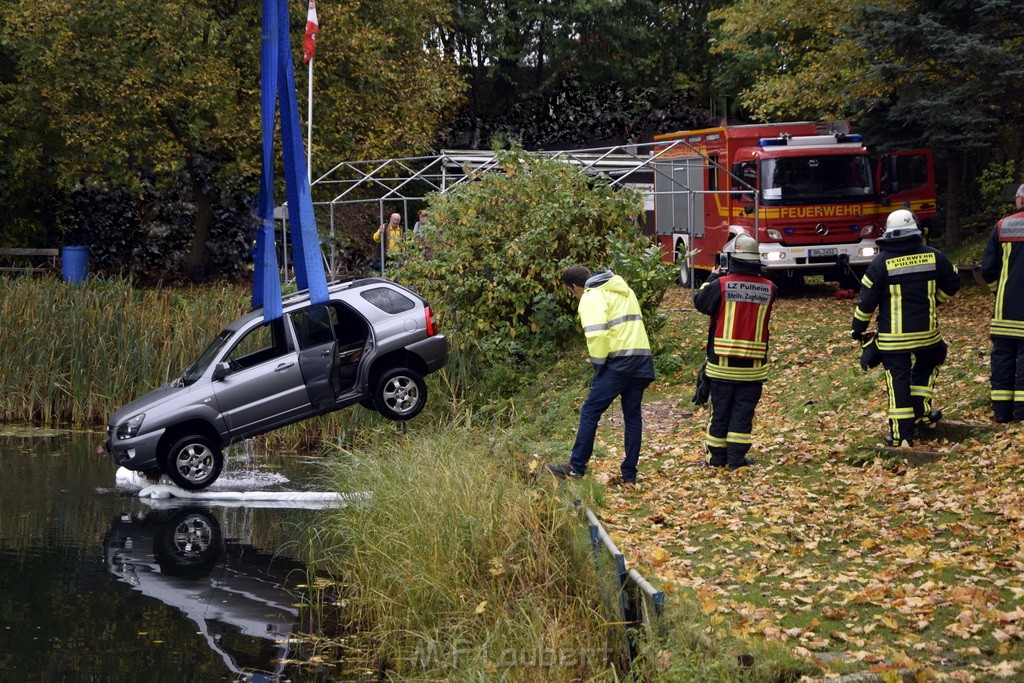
{"points": [[604, 388]]}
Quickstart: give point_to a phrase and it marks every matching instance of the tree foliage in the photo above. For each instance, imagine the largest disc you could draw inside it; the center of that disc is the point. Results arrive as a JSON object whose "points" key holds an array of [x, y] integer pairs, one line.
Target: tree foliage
{"points": [[127, 95], [496, 247], [795, 59], [630, 64]]}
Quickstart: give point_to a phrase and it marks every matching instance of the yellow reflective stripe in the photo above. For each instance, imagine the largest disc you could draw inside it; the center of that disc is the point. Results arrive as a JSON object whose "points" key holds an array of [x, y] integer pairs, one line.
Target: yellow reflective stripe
{"points": [[861, 315], [926, 392], [901, 413], [737, 437], [730, 319], [1002, 394], [933, 314], [762, 324], [1007, 328], [1004, 274], [739, 348], [888, 341], [715, 441], [866, 282], [895, 306], [754, 374]]}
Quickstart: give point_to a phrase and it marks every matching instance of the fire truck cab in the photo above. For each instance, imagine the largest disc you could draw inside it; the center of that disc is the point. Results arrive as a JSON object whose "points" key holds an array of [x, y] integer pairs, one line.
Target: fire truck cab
{"points": [[809, 192]]}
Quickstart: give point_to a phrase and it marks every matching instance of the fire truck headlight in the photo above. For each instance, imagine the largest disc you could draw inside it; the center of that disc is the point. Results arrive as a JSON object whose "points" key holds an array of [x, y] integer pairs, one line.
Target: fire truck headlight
{"points": [[867, 231], [868, 252], [773, 234], [774, 255]]}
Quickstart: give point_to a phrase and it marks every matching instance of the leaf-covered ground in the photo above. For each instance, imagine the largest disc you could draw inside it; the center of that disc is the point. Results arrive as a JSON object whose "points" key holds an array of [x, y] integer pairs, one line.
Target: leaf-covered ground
{"points": [[857, 560]]}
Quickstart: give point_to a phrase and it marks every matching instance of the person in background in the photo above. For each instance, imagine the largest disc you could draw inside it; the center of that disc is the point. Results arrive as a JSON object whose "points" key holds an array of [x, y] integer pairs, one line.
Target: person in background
{"points": [[739, 303], [1002, 267], [421, 221], [389, 236], [623, 367], [906, 282]]}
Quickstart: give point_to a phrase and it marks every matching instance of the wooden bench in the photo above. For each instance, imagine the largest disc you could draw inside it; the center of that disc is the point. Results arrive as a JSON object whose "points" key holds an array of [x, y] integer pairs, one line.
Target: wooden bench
{"points": [[29, 260]]}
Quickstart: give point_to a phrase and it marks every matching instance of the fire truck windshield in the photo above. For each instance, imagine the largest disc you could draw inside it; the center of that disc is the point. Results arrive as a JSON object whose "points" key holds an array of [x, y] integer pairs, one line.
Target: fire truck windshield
{"points": [[816, 179]]}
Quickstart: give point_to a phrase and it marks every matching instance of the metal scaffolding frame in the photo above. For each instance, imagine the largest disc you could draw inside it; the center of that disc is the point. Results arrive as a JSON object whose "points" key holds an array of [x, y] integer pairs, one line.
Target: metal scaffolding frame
{"points": [[408, 180]]}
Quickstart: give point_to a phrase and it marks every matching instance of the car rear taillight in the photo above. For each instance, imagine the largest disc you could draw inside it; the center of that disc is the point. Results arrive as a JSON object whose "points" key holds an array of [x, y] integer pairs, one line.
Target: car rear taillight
{"points": [[431, 330]]}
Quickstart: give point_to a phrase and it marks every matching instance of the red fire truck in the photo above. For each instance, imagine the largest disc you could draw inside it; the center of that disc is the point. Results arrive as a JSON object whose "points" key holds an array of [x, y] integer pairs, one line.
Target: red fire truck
{"points": [[809, 193]]}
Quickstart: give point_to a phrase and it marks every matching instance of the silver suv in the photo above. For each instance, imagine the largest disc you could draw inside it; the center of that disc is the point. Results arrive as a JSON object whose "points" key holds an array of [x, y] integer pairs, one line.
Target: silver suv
{"points": [[372, 344]]}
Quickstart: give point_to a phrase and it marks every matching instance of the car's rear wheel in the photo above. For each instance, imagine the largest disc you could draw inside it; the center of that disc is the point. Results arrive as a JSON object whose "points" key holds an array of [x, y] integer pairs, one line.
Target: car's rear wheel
{"points": [[194, 462], [400, 394]]}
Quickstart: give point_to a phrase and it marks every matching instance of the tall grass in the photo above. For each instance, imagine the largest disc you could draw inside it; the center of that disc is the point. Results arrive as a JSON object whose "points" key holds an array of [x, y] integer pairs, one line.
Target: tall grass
{"points": [[454, 568], [71, 354]]}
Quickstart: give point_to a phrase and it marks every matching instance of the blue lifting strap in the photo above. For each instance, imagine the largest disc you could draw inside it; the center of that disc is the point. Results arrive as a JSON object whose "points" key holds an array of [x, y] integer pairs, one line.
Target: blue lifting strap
{"points": [[277, 83]]}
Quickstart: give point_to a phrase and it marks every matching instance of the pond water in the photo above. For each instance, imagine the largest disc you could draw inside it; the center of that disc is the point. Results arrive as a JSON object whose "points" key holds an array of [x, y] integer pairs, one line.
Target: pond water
{"points": [[97, 584]]}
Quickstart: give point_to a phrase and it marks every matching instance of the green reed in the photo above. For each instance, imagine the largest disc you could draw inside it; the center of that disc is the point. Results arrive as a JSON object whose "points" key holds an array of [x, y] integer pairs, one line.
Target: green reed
{"points": [[453, 568], [70, 354]]}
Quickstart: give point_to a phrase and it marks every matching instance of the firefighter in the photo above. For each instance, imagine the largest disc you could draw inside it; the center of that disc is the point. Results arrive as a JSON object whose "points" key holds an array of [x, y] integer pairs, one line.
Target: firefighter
{"points": [[906, 282], [739, 302], [621, 355], [1002, 267]]}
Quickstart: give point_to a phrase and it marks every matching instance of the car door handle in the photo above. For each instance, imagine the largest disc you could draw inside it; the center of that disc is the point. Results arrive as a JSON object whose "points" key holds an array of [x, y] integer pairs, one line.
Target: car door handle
{"points": [[325, 354], [283, 366]]}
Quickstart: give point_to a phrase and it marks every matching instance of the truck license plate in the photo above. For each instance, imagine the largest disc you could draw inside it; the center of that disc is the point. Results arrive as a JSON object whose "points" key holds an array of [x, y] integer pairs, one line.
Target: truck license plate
{"points": [[827, 251]]}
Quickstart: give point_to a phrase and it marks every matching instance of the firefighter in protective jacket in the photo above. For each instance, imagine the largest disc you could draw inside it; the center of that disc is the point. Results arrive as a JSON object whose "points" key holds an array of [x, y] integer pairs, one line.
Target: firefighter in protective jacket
{"points": [[1002, 267], [740, 306], [906, 282]]}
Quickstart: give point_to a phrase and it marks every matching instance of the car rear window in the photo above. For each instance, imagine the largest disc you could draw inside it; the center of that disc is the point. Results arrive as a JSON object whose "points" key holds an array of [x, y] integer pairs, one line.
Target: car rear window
{"points": [[388, 300]]}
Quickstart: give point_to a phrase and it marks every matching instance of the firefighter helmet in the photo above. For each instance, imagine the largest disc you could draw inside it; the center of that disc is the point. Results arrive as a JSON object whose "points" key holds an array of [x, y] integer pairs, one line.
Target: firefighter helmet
{"points": [[745, 249], [900, 226]]}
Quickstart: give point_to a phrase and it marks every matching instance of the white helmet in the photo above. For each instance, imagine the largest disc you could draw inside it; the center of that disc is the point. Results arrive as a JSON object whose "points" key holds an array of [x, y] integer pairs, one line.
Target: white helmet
{"points": [[899, 226], [745, 249]]}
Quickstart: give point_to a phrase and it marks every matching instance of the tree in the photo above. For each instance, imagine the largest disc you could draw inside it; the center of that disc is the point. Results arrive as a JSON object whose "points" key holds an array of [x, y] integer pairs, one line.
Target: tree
{"points": [[147, 91], [955, 76], [491, 259], [624, 62], [794, 59]]}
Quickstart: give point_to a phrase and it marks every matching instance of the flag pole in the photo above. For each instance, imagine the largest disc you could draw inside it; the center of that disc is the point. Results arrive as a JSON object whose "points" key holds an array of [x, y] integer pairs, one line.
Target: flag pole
{"points": [[309, 126]]}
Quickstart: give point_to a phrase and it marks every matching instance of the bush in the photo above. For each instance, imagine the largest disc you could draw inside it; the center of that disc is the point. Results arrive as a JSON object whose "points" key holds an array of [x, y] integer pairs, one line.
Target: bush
{"points": [[491, 262]]}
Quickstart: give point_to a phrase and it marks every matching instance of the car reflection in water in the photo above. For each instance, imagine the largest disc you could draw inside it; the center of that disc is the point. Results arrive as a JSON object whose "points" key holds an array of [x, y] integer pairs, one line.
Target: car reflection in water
{"points": [[232, 591]]}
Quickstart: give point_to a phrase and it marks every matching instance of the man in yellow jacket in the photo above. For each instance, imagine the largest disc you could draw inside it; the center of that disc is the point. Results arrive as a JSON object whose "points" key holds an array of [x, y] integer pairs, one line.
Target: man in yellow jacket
{"points": [[389, 237], [621, 355]]}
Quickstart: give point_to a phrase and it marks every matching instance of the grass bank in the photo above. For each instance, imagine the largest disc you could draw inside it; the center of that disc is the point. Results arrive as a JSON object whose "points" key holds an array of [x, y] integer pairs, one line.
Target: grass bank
{"points": [[470, 562]]}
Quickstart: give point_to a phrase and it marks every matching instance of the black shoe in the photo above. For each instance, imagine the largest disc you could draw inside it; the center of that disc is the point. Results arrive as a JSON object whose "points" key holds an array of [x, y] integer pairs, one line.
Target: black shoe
{"points": [[564, 471], [744, 463], [712, 465], [619, 480], [904, 443]]}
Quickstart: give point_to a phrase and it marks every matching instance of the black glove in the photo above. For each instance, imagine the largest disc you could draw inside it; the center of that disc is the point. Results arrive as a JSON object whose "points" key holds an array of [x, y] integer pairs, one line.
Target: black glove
{"points": [[855, 335]]}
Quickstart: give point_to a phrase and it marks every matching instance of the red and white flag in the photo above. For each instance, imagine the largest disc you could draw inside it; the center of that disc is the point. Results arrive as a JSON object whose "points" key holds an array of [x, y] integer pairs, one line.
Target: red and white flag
{"points": [[309, 42]]}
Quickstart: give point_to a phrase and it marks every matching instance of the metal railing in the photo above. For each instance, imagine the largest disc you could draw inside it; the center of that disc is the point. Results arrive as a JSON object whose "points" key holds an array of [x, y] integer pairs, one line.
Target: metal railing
{"points": [[639, 603]]}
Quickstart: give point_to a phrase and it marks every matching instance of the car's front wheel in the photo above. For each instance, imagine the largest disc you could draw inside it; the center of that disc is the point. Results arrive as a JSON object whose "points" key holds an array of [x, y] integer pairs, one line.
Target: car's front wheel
{"points": [[194, 462], [400, 394]]}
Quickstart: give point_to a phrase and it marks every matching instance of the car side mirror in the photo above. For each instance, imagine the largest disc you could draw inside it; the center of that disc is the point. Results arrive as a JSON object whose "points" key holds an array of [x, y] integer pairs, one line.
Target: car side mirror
{"points": [[221, 371]]}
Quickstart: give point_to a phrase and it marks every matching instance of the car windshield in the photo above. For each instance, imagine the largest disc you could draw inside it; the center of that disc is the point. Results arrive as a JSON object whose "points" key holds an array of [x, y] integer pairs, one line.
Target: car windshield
{"points": [[815, 180], [196, 370]]}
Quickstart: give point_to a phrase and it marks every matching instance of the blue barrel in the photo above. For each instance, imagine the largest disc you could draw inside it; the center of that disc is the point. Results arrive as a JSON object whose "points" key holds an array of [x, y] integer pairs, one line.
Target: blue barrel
{"points": [[75, 264]]}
